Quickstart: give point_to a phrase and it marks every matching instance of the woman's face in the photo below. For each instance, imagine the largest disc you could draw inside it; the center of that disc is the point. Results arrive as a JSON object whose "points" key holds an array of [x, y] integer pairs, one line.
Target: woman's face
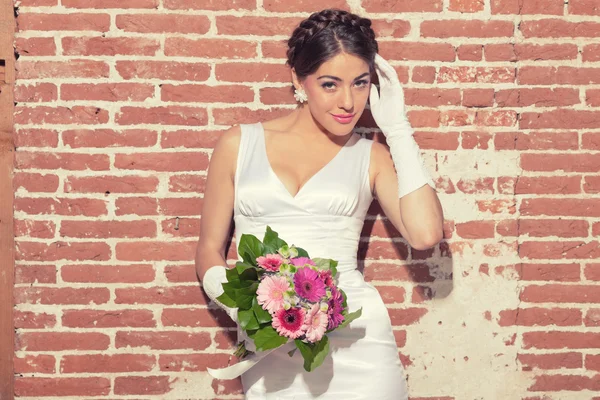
{"points": [[338, 92]]}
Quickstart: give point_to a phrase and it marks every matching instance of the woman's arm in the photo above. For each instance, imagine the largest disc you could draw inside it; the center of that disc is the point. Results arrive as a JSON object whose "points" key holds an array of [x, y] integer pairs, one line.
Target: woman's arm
{"points": [[418, 216], [217, 206]]}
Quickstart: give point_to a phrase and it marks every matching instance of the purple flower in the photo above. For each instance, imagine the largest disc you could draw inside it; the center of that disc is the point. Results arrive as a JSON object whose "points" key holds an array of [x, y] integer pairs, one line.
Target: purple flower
{"points": [[308, 284], [336, 307], [302, 261]]}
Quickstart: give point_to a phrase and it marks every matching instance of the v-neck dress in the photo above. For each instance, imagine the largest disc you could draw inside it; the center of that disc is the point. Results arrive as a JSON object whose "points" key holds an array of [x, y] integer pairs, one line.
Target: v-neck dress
{"points": [[325, 218]]}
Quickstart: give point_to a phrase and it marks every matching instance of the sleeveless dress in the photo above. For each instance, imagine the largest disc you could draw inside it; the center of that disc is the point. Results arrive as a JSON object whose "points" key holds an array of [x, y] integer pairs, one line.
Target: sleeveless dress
{"points": [[326, 219]]}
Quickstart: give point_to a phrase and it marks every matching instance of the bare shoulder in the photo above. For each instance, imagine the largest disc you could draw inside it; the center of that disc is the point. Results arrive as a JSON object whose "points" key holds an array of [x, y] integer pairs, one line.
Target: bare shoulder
{"points": [[226, 149], [381, 160]]}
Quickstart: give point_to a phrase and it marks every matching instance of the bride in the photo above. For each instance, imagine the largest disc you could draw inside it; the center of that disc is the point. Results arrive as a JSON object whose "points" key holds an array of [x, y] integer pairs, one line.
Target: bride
{"points": [[312, 179]]}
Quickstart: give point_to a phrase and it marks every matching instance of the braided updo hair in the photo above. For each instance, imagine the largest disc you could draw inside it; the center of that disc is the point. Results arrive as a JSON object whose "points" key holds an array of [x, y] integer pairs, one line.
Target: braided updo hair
{"points": [[327, 33]]}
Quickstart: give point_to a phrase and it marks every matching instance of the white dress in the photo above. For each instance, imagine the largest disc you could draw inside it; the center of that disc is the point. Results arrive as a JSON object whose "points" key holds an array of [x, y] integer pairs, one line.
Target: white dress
{"points": [[326, 219]]}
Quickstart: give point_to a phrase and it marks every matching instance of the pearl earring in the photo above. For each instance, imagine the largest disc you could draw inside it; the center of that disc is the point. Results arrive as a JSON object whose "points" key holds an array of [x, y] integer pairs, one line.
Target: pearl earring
{"points": [[300, 95]]}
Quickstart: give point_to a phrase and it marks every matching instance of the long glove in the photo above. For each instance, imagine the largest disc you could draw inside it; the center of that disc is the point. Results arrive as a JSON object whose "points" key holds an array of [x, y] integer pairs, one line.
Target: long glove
{"points": [[389, 111], [213, 286]]}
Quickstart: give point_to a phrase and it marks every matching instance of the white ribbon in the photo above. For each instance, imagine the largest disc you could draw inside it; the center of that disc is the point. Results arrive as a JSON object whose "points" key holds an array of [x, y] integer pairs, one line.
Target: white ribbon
{"points": [[238, 369]]}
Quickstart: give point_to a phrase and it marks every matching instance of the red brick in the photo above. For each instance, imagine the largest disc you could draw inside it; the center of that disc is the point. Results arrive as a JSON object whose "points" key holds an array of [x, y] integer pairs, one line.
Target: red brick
{"points": [[560, 119], [376, 271], [68, 161], [540, 317], [391, 294], [190, 139], [111, 184], [543, 185], [590, 53], [65, 295], [62, 69], [35, 387], [64, 22], [157, 23], [136, 205], [418, 51], [31, 364], [38, 3], [227, 387], [59, 250], [181, 273], [163, 340], [108, 273], [550, 272], [61, 206], [213, 5], [180, 161], [226, 340], [252, 72], [555, 382], [470, 52], [181, 206], [209, 48], [406, 316], [102, 138], [550, 361], [181, 227], [476, 230], [144, 385], [187, 183], [276, 96], [584, 7], [561, 340], [557, 27], [556, 293], [96, 363], [590, 141], [36, 93], [259, 26], [108, 229], [32, 137], [34, 182], [536, 141], [32, 320], [110, 46], [527, 7], [108, 318], [402, 6], [207, 94], [475, 140], [240, 115], [476, 75], [592, 317], [35, 274], [196, 317], [164, 70], [592, 272], [193, 362], [561, 206], [107, 91], [558, 75], [103, 4], [592, 362], [60, 341], [462, 28], [38, 229], [161, 295], [60, 115], [540, 97], [171, 115]]}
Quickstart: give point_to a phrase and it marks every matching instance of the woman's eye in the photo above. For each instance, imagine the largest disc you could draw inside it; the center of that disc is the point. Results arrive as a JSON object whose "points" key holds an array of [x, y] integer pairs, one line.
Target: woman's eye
{"points": [[328, 85], [362, 82]]}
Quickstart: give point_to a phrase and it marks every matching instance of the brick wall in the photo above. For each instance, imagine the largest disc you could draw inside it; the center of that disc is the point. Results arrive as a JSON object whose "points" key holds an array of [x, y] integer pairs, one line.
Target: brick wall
{"points": [[119, 103]]}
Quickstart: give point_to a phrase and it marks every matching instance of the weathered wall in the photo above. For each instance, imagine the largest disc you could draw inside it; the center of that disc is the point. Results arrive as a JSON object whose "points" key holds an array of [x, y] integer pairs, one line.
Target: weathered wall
{"points": [[119, 103]]}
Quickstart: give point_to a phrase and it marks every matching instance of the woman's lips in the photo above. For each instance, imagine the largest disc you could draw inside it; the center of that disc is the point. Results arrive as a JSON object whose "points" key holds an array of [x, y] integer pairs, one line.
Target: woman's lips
{"points": [[343, 119]]}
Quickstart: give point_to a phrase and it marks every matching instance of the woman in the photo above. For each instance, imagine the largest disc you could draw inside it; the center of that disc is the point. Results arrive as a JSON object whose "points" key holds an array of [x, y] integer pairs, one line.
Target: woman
{"points": [[312, 179]]}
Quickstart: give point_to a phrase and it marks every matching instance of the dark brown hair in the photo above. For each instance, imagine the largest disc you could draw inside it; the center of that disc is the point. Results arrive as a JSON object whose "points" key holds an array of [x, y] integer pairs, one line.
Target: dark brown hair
{"points": [[326, 34]]}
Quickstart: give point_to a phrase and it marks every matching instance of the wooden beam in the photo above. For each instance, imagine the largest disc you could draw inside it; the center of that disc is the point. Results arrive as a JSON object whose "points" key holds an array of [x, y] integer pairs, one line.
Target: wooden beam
{"points": [[7, 242]]}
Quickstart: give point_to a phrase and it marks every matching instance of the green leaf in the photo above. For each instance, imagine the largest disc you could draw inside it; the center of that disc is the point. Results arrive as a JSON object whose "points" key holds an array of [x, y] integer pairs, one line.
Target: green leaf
{"points": [[272, 242], [247, 319], [262, 316], [250, 248], [302, 252], [226, 300], [267, 338], [313, 353], [350, 317], [247, 272], [326, 264]]}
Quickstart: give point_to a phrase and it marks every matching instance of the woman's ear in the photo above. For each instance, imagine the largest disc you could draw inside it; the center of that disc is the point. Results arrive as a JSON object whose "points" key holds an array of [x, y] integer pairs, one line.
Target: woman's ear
{"points": [[295, 80]]}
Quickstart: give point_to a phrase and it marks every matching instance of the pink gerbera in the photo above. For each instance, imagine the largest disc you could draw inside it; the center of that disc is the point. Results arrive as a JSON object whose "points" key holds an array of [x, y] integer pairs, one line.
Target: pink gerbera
{"points": [[336, 307], [290, 323], [270, 262], [316, 324], [302, 261], [308, 284], [326, 277], [270, 293]]}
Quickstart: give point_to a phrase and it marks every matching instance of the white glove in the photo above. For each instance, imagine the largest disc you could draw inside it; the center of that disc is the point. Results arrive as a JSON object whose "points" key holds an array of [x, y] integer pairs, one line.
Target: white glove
{"points": [[213, 286], [389, 111]]}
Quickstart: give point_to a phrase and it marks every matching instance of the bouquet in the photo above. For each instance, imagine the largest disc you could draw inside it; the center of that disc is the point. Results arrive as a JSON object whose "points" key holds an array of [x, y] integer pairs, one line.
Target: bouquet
{"points": [[282, 294]]}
